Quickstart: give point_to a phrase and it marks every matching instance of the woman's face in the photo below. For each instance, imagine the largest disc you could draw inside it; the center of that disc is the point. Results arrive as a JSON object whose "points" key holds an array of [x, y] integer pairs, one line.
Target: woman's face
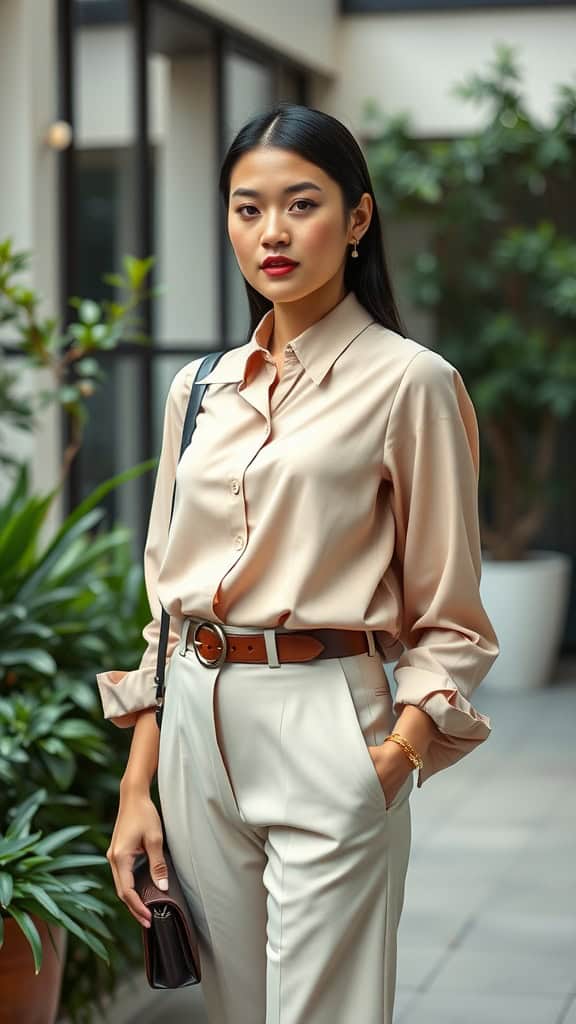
{"points": [[283, 205]]}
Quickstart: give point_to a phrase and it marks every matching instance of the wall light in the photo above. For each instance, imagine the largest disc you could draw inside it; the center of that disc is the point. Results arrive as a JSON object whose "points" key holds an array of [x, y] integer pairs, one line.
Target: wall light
{"points": [[59, 135]]}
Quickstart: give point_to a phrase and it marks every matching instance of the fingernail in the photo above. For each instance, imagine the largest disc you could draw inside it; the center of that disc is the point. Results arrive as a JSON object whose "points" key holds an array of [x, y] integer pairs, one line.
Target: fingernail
{"points": [[147, 924], [162, 883]]}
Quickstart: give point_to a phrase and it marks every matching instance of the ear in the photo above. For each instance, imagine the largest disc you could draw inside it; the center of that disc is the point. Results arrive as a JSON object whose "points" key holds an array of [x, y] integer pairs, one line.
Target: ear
{"points": [[361, 217]]}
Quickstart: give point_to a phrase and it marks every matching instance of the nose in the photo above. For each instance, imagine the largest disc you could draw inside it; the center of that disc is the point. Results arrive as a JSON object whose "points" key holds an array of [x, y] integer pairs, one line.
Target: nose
{"points": [[274, 230]]}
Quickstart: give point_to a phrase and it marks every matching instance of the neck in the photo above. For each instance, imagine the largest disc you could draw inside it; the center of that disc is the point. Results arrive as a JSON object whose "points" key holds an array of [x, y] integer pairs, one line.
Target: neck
{"points": [[293, 318]]}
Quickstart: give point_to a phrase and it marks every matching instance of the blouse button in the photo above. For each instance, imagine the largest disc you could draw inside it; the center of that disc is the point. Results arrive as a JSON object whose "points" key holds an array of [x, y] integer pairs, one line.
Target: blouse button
{"points": [[239, 542], [235, 487]]}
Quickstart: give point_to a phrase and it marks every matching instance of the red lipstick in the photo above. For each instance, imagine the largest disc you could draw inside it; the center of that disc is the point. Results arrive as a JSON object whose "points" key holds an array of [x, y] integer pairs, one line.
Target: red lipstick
{"points": [[277, 266]]}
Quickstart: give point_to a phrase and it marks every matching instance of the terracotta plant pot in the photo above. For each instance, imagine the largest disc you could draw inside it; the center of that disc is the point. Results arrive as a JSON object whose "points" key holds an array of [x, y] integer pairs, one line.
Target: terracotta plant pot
{"points": [[29, 998]]}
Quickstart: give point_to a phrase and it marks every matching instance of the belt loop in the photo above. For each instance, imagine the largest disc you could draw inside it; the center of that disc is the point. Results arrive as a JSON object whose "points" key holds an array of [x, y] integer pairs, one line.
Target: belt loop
{"points": [[183, 645], [271, 649], [371, 643]]}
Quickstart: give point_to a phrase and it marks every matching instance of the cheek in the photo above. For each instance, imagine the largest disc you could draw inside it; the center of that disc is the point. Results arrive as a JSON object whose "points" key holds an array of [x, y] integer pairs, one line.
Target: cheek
{"points": [[323, 236], [240, 244]]}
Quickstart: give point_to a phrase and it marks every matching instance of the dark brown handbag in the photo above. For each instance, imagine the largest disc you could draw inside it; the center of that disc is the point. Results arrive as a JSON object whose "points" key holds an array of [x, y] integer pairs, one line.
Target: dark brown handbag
{"points": [[171, 955]]}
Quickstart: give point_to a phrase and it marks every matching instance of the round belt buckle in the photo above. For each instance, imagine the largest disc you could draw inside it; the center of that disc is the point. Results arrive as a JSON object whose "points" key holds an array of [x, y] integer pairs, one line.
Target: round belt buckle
{"points": [[221, 635]]}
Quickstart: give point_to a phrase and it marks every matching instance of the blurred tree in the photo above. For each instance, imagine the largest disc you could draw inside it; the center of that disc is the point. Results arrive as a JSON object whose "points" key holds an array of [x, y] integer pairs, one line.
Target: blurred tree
{"points": [[499, 274]]}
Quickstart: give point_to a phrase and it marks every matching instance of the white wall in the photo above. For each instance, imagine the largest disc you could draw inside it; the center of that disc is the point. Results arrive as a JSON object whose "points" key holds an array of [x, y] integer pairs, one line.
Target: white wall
{"points": [[409, 62], [299, 28], [28, 180]]}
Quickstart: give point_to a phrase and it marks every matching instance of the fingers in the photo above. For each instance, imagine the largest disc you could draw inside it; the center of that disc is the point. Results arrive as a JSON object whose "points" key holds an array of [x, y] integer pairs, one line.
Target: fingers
{"points": [[121, 865], [153, 843]]}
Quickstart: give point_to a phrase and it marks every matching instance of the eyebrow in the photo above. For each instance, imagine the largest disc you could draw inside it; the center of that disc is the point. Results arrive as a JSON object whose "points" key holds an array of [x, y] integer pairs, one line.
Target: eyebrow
{"points": [[299, 187]]}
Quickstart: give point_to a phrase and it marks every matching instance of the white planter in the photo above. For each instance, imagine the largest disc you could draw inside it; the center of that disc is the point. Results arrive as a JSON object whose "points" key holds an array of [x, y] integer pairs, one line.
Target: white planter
{"points": [[526, 602]]}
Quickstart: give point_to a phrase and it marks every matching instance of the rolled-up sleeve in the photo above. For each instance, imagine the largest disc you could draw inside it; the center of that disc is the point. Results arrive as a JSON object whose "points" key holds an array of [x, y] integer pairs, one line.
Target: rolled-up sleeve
{"points": [[431, 458], [124, 693]]}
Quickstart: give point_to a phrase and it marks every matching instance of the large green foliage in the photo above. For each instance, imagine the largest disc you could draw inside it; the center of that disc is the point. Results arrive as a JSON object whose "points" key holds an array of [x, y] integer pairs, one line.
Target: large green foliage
{"points": [[68, 607], [498, 271]]}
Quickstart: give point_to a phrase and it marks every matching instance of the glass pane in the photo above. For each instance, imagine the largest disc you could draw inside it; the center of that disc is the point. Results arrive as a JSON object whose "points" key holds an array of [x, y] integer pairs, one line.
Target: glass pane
{"points": [[248, 90], [113, 440], [104, 211]]}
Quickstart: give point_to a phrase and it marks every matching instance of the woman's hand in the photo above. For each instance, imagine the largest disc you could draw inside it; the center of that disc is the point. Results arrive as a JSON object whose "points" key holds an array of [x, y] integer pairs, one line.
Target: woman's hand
{"points": [[138, 829], [392, 767]]}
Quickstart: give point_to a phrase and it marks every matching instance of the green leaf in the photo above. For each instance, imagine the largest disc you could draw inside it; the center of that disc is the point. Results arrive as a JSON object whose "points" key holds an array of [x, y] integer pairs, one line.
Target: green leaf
{"points": [[89, 312], [54, 746], [78, 729], [6, 888], [32, 658], [68, 394], [88, 368], [60, 838], [78, 860], [24, 813], [21, 533], [41, 897], [12, 849], [84, 516], [16, 497], [137, 269], [116, 280], [31, 933], [67, 533]]}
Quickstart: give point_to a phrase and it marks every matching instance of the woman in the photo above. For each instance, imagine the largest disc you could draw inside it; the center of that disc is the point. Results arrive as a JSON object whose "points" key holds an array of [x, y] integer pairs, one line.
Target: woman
{"points": [[326, 520]]}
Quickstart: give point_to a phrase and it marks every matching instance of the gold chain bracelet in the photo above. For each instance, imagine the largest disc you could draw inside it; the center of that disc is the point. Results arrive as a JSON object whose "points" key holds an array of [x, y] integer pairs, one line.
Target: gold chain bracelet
{"points": [[412, 755]]}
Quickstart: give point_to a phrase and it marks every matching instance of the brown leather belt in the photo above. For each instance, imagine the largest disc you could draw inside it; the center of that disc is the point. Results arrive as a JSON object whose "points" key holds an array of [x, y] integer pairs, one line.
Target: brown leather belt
{"points": [[213, 646]]}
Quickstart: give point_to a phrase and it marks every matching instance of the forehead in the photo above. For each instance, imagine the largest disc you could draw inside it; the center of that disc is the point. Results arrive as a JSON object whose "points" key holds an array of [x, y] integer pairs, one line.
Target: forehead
{"points": [[270, 169]]}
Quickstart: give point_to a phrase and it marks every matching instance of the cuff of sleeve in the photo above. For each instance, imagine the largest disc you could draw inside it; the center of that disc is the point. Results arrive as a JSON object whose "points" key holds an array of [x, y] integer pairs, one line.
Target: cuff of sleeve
{"points": [[460, 726], [122, 698]]}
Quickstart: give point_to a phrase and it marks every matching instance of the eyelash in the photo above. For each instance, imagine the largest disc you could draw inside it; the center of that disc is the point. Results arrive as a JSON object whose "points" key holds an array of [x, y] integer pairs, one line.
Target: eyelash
{"points": [[249, 206]]}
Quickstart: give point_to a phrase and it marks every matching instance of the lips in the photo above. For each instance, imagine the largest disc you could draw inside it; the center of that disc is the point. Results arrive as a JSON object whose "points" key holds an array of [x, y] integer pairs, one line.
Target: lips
{"points": [[278, 261]]}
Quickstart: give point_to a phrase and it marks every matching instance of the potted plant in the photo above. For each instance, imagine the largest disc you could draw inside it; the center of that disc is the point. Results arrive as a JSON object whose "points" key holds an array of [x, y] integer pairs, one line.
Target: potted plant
{"points": [[43, 883], [498, 273], [66, 602]]}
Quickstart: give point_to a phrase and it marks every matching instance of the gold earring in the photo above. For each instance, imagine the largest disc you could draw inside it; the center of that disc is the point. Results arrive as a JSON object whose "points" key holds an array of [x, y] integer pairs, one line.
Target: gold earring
{"points": [[355, 254]]}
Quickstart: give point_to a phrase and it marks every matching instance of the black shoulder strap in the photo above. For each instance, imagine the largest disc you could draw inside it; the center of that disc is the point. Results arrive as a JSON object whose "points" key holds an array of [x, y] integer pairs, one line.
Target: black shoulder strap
{"points": [[196, 395]]}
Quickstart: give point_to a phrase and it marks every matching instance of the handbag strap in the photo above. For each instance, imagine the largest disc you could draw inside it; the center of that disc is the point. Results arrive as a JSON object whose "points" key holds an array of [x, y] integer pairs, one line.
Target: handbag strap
{"points": [[194, 402]]}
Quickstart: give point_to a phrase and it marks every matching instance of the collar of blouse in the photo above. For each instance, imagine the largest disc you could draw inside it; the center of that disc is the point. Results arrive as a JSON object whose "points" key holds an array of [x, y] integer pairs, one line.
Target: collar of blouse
{"points": [[317, 348]]}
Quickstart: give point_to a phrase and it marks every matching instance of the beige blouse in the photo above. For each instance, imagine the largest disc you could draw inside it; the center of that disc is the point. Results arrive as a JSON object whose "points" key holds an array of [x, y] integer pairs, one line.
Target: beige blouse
{"points": [[345, 496]]}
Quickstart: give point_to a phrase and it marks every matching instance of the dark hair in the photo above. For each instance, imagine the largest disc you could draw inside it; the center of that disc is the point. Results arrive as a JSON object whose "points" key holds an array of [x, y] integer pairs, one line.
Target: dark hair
{"points": [[323, 140]]}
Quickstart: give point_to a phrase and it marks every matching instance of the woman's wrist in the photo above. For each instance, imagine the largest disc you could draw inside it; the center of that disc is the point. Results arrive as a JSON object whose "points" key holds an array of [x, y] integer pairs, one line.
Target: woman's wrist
{"points": [[134, 784], [417, 727]]}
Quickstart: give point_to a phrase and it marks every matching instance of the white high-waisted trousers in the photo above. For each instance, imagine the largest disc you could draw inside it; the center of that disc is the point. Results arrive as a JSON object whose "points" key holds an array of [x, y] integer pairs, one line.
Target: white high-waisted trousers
{"points": [[277, 824]]}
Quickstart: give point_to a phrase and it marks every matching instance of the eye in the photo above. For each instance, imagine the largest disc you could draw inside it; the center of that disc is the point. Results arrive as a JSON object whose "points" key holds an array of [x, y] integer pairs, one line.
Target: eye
{"points": [[241, 209], [308, 202]]}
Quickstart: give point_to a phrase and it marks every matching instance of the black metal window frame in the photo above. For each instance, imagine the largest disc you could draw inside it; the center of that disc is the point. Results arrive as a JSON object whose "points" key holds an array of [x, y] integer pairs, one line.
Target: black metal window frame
{"points": [[225, 40]]}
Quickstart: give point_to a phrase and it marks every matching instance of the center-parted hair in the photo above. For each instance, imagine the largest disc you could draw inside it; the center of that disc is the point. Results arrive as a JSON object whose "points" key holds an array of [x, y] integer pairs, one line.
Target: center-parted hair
{"points": [[322, 140]]}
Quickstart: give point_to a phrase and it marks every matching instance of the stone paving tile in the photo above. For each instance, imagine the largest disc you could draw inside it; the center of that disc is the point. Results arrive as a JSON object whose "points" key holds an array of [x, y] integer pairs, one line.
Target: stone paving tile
{"points": [[522, 930], [570, 1015], [506, 971], [471, 1008], [183, 1006]]}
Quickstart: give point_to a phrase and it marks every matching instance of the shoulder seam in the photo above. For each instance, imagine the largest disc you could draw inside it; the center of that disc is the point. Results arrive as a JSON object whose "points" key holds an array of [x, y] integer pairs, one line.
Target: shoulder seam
{"points": [[400, 382]]}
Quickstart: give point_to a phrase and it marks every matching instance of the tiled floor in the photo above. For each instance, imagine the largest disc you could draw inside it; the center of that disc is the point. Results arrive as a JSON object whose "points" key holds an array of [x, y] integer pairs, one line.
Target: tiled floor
{"points": [[488, 932]]}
